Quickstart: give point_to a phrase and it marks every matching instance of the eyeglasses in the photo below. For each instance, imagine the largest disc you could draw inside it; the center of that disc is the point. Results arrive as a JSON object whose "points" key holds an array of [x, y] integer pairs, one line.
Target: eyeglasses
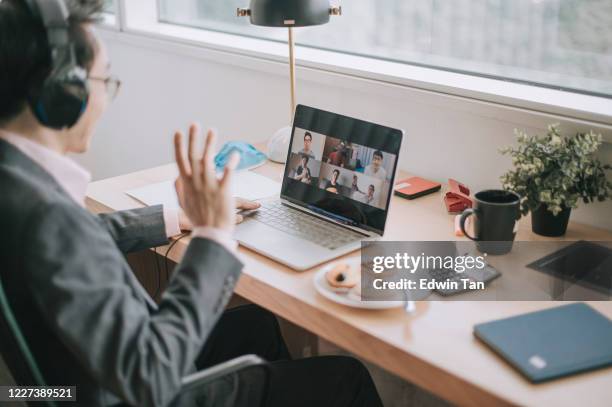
{"points": [[112, 83]]}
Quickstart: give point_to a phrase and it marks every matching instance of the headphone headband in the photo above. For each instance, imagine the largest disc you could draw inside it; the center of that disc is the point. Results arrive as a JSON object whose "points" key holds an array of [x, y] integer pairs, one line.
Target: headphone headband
{"points": [[54, 15], [62, 99]]}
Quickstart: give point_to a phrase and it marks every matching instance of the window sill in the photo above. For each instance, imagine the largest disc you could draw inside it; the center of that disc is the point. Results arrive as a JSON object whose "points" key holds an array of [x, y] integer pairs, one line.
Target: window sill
{"points": [[592, 111]]}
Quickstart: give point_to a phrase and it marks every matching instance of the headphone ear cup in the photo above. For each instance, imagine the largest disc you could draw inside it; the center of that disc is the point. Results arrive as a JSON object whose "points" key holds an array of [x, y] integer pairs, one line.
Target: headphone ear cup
{"points": [[60, 104]]}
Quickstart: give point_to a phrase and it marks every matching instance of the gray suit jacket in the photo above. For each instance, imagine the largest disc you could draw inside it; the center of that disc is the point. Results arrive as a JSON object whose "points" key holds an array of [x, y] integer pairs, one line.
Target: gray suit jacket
{"points": [[87, 319]]}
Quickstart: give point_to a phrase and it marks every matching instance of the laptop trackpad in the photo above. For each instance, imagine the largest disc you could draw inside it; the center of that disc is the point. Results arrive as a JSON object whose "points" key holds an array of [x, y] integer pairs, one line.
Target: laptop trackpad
{"points": [[281, 246]]}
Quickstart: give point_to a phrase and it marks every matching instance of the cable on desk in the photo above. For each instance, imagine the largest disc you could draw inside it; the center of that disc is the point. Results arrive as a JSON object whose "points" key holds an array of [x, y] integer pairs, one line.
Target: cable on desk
{"points": [[170, 247]]}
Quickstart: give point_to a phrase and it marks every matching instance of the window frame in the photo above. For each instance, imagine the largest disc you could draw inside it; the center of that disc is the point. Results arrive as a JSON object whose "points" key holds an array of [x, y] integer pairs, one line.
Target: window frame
{"points": [[140, 18]]}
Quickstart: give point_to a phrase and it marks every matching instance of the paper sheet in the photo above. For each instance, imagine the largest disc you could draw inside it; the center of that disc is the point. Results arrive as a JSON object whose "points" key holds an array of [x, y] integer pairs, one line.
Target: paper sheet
{"points": [[245, 184]]}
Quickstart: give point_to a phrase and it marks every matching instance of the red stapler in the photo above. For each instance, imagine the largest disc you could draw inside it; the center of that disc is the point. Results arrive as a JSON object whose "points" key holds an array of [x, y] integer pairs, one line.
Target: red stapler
{"points": [[457, 199]]}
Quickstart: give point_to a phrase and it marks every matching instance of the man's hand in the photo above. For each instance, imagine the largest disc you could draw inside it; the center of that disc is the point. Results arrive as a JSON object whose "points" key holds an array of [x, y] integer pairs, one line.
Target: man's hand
{"points": [[205, 200], [241, 204], [245, 205]]}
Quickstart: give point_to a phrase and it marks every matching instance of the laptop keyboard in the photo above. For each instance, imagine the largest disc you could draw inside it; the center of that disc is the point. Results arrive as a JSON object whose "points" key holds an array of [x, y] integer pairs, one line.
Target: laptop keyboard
{"points": [[307, 227]]}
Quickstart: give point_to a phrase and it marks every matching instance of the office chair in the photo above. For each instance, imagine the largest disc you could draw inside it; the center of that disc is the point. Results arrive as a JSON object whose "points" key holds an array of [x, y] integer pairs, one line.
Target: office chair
{"points": [[200, 389]]}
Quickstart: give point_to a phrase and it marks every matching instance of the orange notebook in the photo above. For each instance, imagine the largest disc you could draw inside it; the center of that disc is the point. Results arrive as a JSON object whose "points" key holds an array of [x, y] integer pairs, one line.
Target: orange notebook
{"points": [[414, 187]]}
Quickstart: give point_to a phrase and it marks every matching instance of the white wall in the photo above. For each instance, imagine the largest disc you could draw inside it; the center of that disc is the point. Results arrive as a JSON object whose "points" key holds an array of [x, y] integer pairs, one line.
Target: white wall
{"points": [[166, 86]]}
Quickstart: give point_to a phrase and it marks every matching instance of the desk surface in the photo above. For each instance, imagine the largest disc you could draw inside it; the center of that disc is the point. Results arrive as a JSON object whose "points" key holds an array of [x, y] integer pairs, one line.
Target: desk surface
{"points": [[434, 348]]}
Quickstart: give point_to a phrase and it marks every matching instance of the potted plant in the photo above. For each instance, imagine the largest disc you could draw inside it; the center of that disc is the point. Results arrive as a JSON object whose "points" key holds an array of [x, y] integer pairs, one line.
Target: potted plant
{"points": [[551, 173]]}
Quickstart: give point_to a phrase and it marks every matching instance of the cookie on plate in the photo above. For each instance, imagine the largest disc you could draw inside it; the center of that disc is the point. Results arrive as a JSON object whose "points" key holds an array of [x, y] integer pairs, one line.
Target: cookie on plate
{"points": [[342, 276]]}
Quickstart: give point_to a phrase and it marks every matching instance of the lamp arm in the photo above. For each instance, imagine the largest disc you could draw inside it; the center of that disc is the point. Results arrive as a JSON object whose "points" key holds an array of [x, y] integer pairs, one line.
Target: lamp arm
{"points": [[333, 11], [292, 73]]}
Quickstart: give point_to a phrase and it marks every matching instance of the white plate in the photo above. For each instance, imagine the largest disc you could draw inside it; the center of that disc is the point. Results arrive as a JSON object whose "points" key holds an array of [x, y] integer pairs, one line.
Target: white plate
{"points": [[323, 288]]}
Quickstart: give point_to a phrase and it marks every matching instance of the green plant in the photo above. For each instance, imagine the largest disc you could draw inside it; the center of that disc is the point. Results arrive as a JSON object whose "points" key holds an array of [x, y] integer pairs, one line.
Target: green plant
{"points": [[556, 171]]}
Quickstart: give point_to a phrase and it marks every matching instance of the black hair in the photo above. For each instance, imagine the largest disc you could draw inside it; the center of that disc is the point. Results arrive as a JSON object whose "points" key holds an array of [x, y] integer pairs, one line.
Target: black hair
{"points": [[308, 134], [25, 55], [336, 171], [306, 157], [373, 187], [379, 154]]}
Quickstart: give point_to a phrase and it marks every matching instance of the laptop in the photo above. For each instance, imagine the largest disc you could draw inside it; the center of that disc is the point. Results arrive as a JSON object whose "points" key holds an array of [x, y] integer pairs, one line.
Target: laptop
{"points": [[336, 190]]}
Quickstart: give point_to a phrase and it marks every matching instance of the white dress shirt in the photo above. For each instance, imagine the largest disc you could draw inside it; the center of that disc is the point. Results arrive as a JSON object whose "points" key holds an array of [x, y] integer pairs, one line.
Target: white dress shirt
{"points": [[74, 180], [371, 171]]}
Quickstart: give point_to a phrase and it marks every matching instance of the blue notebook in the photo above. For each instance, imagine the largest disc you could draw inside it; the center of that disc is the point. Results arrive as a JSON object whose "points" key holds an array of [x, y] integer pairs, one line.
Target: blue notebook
{"points": [[552, 343]]}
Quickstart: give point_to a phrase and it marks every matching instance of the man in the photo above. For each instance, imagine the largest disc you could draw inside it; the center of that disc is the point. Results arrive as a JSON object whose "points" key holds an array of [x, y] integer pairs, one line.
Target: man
{"points": [[355, 184], [369, 199], [375, 169], [332, 185], [302, 168], [307, 150], [86, 318], [307, 179]]}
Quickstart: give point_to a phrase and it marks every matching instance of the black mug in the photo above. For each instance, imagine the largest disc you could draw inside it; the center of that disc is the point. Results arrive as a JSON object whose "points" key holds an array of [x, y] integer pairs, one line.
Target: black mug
{"points": [[496, 213]]}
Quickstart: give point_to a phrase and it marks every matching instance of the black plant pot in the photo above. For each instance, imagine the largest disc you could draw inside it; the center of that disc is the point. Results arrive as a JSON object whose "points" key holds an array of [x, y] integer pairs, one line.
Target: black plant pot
{"points": [[544, 223]]}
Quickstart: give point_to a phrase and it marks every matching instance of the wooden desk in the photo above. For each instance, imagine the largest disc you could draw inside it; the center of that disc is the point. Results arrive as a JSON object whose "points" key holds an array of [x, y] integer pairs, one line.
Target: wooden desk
{"points": [[434, 348]]}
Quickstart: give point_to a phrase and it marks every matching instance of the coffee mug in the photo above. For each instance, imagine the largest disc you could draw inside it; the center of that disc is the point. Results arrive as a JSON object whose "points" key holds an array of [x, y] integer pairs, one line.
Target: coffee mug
{"points": [[495, 216]]}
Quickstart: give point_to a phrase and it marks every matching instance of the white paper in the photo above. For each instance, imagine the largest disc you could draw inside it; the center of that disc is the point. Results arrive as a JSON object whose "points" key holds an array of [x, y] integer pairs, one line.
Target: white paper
{"points": [[245, 184], [252, 186], [162, 193]]}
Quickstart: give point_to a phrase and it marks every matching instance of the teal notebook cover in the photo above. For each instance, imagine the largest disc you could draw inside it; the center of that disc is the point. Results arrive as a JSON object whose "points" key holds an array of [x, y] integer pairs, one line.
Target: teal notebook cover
{"points": [[552, 343]]}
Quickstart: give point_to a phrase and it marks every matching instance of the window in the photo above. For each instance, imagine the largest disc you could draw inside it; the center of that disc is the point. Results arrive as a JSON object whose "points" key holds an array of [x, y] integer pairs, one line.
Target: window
{"points": [[563, 44], [110, 6]]}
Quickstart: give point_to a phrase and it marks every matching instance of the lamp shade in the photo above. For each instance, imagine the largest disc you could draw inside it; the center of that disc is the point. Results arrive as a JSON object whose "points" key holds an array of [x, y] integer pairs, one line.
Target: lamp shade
{"points": [[289, 13]]}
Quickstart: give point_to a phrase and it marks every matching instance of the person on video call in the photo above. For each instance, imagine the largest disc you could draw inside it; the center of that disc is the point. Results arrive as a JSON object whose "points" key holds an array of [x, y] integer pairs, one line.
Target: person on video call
{"points": [[333, 185], [369, 198], [87, 320], [307, 179], [307, 150], [339, 157], [354, 185], [375, 169], [302, 169]]}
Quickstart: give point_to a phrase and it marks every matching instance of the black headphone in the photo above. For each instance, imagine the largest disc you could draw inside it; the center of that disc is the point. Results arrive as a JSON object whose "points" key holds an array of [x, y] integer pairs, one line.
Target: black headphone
{"points": [[62, 97]]}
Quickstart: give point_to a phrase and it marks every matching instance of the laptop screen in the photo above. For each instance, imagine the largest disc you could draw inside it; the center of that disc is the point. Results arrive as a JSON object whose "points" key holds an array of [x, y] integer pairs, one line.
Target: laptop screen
{"points": [[342, 167]]}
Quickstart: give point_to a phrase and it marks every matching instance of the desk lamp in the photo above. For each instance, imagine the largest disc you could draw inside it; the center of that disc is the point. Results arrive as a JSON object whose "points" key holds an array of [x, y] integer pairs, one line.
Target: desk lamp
{"points": [[290, 14]]}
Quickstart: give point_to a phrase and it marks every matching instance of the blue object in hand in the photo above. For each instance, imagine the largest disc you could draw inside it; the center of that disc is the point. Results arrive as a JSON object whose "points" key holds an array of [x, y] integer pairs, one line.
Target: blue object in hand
{"points": [[250, 157]]}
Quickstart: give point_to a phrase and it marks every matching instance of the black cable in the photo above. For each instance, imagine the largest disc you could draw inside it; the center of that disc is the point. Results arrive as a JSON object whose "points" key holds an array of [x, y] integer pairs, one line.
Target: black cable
{"points": [[158, 271], [170, 247]]}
